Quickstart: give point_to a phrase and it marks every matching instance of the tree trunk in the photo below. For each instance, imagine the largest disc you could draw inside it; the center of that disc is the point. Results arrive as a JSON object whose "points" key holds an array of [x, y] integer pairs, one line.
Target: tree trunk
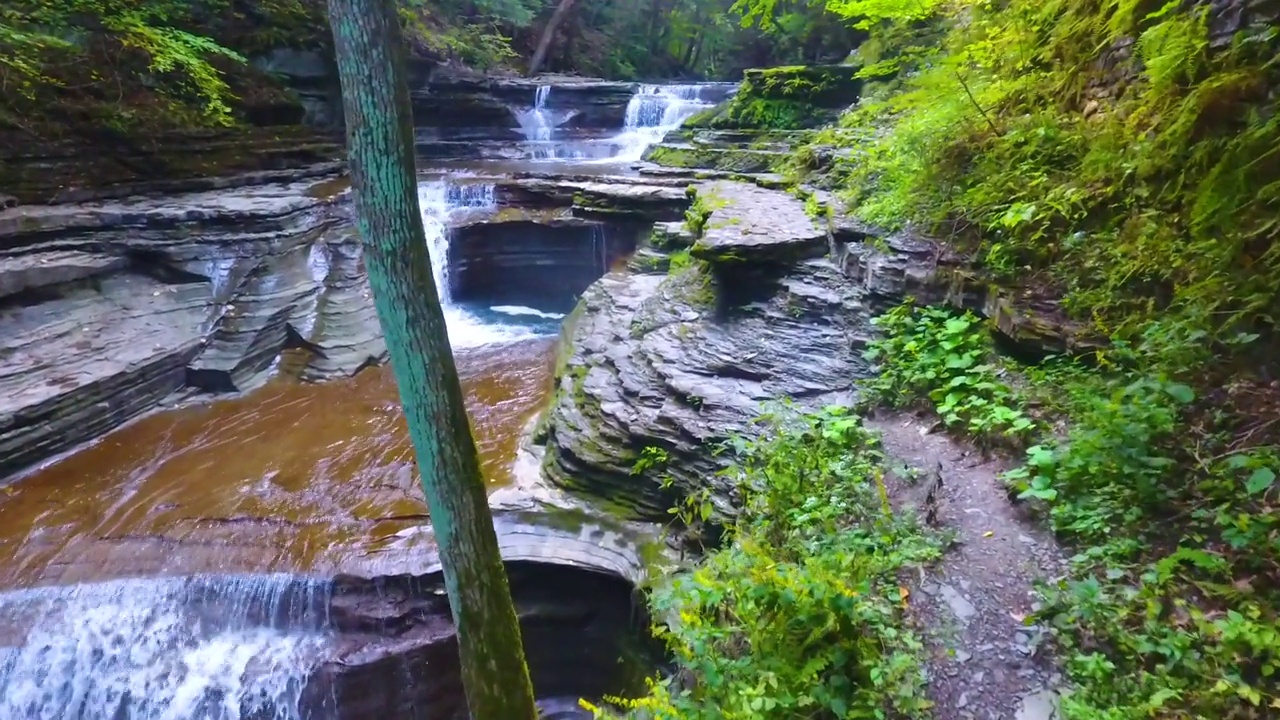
{"points": [[371, 67], [549, 32]]}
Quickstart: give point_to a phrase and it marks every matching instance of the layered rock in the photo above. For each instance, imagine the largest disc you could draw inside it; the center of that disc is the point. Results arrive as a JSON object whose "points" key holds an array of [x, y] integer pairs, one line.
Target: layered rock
{"points": [[648, 198], [473, 116], [374, 640], [682, 361], [773, 110], [523, 262], [890, 267], [572, 579], [109, 165], [108, 307]]}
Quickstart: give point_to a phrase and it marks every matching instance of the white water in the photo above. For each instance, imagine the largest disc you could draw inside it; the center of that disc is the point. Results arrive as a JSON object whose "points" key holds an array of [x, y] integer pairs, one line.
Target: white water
{"points": [[654, 111], [521, 310], [536, 123], [440, 200], [227, 648]]}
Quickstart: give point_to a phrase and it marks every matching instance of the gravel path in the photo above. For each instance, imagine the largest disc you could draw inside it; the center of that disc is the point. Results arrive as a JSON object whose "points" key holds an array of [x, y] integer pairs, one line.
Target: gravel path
{"points": [[984, 662]]}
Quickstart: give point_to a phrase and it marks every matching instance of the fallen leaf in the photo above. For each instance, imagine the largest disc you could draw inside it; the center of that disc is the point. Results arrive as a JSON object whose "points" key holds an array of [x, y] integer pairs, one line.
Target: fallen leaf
{"points": [[988, 533]]}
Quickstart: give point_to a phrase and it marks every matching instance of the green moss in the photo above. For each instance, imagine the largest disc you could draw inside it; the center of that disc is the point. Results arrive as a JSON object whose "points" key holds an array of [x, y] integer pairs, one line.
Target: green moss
{"points": [[722, 159]]}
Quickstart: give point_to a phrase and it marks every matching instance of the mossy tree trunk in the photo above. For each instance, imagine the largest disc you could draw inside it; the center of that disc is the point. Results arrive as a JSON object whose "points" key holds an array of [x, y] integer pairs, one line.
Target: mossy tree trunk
{"points": [[375, 93]]}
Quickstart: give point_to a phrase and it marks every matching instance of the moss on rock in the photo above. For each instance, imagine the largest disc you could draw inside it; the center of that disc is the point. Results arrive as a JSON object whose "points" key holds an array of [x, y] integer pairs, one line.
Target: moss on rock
{"points": [[724, 159]]}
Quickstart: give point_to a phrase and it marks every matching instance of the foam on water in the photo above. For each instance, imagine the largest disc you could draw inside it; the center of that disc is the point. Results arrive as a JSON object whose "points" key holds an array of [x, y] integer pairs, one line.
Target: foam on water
{"points": [[202, 648], [518, 310]]}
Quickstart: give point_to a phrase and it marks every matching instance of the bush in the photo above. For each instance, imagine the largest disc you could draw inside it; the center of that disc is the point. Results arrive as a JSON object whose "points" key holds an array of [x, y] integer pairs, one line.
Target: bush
{"points": [[800, 614]]}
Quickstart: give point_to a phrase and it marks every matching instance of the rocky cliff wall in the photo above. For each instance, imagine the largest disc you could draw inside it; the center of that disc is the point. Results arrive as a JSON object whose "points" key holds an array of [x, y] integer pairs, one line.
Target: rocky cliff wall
{"points": [[107, 308]]}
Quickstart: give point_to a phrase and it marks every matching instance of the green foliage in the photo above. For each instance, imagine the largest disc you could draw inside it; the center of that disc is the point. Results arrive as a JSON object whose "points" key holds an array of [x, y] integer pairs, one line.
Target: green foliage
{"points": [[680, 260], [934, 354], [1158, 195], [800, 614], [1165, 612], [1173, 510], [761, 114], [1113, 155], [35, 37]]}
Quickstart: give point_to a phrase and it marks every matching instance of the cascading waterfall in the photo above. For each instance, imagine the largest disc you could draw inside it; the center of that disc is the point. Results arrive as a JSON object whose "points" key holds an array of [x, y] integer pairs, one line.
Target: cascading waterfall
{"points": [[536, 122], [441, 200], [654, 111], [538, 125], [199, 648]]}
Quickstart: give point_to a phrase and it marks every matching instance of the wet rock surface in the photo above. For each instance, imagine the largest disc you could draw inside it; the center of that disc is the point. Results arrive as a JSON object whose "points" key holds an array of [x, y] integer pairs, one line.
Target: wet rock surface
{"points": [[370, 641], [679, 361], [108, 307], [660, 199], [523, 262]]}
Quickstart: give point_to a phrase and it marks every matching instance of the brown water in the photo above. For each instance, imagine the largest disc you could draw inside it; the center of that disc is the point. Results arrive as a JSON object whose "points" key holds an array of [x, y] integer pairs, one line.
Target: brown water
{"points": [[293, 477]]}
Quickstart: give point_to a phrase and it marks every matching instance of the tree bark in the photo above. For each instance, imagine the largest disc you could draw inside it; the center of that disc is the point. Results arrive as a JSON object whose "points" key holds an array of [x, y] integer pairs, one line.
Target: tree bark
{"points": [[549, 32], [371, 67]]}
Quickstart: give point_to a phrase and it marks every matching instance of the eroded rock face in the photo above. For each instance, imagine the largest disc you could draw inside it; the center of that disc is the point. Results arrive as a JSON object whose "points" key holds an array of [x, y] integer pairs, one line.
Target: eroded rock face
{"points": [[893, 266], [375, 640], [457, 116], [106, 308], [572, 579], [681, 361], [522, 262], [397, 654]]}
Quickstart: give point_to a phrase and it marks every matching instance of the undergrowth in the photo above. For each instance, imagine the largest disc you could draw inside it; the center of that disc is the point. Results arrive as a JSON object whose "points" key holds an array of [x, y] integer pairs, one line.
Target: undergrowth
{"points": [[798, 614], [943, 357], [1103, 150], [1168, 499]]}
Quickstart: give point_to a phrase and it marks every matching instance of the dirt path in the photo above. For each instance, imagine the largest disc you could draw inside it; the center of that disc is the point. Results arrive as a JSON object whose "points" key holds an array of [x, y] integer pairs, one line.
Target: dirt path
{"points": [[984, 662]]}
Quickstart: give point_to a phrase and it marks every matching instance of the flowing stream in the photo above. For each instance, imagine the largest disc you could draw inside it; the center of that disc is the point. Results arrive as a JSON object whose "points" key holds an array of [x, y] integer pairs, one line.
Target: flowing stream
{"points": [[162, 572]]}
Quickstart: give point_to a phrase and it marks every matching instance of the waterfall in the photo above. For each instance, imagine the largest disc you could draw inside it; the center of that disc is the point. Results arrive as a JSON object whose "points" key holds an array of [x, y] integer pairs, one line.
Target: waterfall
{"points": [[654, 111], [440, 201], [200, 648], [536, 122]]}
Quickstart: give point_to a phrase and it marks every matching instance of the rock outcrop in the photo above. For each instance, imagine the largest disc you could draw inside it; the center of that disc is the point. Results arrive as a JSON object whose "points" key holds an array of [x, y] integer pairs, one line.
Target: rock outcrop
{"points": [[684, 359], [893, 266], [106, 308], [571, 577]]}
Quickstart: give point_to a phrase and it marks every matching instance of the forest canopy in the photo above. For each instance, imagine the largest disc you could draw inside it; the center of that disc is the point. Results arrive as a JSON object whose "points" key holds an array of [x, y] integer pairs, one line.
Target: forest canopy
{"points": [[126, 63]]}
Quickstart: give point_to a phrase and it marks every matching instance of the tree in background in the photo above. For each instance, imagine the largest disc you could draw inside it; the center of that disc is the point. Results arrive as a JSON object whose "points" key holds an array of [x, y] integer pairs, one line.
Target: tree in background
{"points": [[375, 95]]}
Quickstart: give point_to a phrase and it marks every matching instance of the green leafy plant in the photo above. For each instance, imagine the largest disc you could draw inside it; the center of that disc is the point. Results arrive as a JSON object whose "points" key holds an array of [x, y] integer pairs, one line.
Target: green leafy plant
{"points": [[798, 615], [935, 355]]}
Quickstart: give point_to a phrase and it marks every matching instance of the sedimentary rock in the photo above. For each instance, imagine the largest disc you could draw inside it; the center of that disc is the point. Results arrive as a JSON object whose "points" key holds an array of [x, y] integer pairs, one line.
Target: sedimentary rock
{"points": [[892, 266], [571, 576], [648, 198], [681, 361], [523, 262], [108, 307], [750, 225]]}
